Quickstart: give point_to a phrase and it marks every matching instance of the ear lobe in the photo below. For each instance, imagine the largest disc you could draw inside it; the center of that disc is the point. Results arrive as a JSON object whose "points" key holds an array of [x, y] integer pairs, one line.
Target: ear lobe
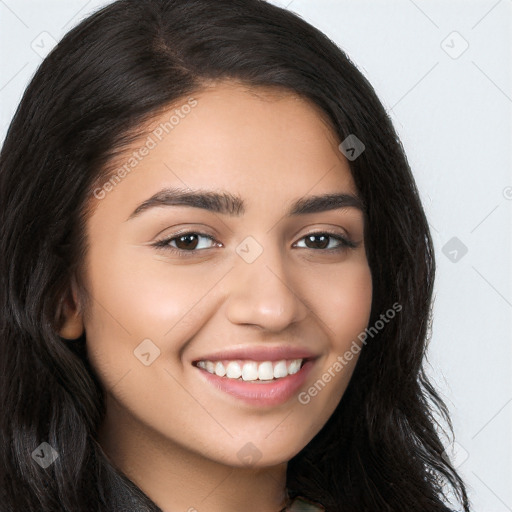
{"points": [[72, 327], [70, 320]]}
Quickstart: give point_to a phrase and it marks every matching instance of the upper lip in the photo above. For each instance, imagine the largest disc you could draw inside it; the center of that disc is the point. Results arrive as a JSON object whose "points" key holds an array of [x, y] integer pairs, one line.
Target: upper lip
{"points": [[265, 353]]}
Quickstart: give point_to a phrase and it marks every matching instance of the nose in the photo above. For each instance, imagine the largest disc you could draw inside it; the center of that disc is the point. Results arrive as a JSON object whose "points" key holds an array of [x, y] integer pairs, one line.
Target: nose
{"points": [[264, 293]]}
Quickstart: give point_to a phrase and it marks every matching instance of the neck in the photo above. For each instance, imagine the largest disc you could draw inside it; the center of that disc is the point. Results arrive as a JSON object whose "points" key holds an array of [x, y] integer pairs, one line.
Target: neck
{"points": [[176, 478]]}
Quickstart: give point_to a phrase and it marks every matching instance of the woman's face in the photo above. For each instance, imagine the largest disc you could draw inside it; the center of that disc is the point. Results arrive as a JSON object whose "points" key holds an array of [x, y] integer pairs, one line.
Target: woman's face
{"points": [[249, 289]]}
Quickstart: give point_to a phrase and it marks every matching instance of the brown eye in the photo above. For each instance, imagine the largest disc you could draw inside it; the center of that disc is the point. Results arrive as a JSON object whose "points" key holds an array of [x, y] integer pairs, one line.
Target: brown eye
{"points": [[188, 241], [321, 241], [185, 242]]}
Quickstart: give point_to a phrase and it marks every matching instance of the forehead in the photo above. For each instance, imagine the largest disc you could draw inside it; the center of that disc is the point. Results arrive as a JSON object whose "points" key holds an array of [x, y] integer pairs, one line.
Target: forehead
{"points": [[266, 144]]}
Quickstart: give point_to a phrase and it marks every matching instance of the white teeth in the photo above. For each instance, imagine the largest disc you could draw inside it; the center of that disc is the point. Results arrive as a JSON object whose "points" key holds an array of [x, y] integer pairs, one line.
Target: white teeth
{"points": [[280, 369], [294, 366], [252, 370], [219, 369], [266, 371], [233, 371]]}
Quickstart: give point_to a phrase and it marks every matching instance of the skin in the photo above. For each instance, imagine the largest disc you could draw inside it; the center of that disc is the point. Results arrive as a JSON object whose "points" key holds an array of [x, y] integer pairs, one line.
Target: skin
{"points": [[174, 435]]}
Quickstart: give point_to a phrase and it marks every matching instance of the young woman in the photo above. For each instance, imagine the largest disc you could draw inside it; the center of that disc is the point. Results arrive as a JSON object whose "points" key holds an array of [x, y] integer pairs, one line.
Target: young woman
{"points": [[216, 276]]}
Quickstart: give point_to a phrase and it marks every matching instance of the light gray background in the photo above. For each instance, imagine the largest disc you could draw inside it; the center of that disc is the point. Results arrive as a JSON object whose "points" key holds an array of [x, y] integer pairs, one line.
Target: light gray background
{"points": [[452, 108]]}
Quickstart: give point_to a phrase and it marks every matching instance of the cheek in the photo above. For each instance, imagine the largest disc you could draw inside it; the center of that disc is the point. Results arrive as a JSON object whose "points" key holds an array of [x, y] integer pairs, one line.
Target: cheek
{"points": [[344, 309], [345, 304], [133, 301], [145, 314], [141, 299]]}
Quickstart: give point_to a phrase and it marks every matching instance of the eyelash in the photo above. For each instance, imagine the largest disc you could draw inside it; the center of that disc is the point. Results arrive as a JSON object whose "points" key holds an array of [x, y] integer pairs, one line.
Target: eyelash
{"points": [[163, 244]]}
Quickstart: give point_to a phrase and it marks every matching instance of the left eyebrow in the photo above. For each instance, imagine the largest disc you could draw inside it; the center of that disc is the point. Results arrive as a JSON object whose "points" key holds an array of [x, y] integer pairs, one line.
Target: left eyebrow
{"points": [[226, 203], [323, 203]]}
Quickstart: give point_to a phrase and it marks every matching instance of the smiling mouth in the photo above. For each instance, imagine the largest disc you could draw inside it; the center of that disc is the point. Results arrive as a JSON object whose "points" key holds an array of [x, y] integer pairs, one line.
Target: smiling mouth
{"points": [[248, 370]]}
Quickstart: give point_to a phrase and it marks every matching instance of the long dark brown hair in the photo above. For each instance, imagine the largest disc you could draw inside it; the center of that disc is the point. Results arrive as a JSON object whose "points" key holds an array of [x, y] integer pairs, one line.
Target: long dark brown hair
{"points": [[382, 449]]}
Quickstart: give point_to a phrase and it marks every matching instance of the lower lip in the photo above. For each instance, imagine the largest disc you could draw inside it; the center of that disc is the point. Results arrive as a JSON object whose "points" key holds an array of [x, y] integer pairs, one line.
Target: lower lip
{"points": [[266, 393]]}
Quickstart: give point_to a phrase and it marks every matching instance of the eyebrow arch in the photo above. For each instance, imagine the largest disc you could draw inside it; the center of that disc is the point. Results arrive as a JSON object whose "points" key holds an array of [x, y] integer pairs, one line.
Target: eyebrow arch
{"points": [[226, 203]]}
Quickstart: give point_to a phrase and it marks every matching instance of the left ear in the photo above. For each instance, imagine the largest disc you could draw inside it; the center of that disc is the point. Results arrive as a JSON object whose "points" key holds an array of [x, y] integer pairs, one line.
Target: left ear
{"points": [[69, 316]]}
